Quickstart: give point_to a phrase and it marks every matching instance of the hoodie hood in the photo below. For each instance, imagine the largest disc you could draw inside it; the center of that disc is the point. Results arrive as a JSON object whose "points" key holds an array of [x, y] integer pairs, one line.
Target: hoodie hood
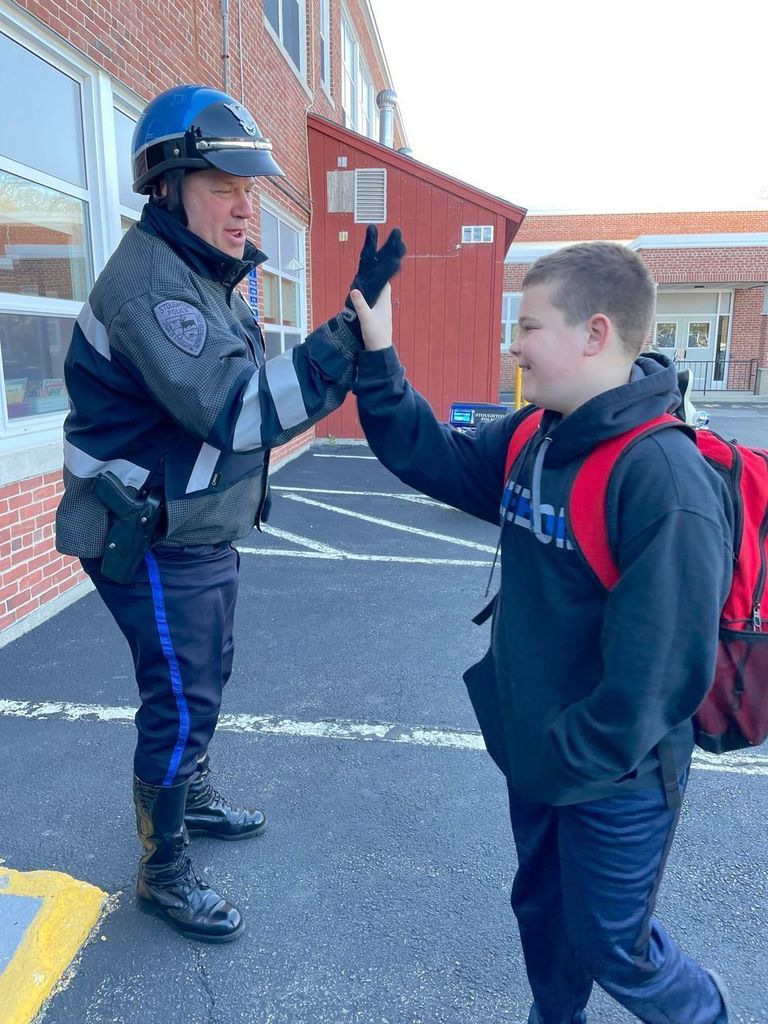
{"points": [[651, 391]]}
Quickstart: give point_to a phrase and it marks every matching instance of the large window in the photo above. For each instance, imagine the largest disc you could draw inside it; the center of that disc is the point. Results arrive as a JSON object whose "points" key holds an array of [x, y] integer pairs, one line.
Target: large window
{"points": [[325, 44], [65, 181], [283, 316], [358, 94], [510, 308], [286, 20], [46, 263]]}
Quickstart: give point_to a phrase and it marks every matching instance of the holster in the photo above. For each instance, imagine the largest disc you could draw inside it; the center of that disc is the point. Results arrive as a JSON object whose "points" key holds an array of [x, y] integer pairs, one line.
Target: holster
{"points": [[134, 524]]}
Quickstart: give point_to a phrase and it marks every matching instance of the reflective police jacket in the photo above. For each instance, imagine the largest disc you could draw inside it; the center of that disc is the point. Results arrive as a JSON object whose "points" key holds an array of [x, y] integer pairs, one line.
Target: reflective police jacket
{"points": [[170, 391]]}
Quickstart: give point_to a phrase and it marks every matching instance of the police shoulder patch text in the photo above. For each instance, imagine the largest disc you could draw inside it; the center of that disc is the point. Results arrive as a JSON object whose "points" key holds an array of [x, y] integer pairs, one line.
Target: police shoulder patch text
{"points": [[182, 324]]}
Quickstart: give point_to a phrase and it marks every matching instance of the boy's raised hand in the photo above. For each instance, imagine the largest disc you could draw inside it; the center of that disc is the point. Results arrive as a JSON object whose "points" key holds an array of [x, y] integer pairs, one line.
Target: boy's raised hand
{"points": [[376, 322]]}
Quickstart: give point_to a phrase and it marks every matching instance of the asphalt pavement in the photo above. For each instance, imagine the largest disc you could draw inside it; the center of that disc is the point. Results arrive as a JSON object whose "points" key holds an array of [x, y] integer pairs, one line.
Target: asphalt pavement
{"points": [[379, 892]]}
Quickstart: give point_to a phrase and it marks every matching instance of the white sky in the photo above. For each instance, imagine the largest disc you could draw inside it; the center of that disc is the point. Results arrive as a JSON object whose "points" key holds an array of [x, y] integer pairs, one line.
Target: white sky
{"points": [[587, 105]]}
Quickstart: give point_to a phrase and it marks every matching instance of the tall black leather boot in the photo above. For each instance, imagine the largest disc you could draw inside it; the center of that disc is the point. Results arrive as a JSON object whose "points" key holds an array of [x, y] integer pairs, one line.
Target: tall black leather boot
{"points": [[208, 813], [168, 885]]}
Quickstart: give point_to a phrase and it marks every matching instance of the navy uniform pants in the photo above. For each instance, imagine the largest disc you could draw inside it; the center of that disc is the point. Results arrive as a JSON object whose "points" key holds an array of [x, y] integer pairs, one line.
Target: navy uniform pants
{"points": [[584, 897], [177, 616]]}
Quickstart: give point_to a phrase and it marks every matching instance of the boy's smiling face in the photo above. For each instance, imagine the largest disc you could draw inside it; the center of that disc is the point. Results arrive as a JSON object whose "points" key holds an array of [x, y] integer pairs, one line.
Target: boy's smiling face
{"points": [[549, 351]]}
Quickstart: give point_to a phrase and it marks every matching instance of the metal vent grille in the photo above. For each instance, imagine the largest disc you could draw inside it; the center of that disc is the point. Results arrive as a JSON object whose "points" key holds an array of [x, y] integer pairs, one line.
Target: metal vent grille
{"points": [[370, 195]]}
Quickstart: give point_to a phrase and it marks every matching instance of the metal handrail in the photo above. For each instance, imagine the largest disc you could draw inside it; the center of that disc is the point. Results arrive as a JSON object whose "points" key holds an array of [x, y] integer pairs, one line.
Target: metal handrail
{"points": [[721, 374]]}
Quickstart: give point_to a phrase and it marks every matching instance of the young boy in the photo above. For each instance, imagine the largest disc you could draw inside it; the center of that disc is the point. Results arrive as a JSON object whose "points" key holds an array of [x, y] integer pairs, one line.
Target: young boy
{"points": [[584, 693]]}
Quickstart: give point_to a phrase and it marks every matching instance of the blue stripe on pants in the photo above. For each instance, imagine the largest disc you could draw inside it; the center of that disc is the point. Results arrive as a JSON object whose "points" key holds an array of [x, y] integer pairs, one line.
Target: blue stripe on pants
{"points": [[177, 616], [158, 600]]}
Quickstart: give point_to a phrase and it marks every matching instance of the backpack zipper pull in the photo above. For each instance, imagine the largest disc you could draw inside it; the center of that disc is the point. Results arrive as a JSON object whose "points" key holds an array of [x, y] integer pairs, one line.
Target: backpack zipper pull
{"points": [[757, 621]]}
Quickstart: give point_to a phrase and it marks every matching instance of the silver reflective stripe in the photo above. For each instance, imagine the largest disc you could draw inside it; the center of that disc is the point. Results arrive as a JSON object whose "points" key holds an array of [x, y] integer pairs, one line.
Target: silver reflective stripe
{"points": [[204, 144], [94, 331], [203, 468], [80, 464], [285, 390], [248, 426]]}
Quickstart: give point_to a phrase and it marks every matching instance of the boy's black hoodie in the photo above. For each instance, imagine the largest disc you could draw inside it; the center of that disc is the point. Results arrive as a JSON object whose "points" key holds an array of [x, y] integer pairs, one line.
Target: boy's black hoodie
{"points": [[579, 685]]}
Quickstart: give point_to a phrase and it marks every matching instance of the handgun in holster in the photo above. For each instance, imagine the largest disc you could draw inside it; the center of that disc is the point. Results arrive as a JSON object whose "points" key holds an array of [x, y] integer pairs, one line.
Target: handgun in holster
{"points": [[132, 530]]}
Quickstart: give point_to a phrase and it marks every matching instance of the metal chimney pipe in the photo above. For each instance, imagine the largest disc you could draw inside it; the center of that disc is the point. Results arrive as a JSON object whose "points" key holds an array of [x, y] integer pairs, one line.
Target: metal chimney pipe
{"points": [[386, 101]]}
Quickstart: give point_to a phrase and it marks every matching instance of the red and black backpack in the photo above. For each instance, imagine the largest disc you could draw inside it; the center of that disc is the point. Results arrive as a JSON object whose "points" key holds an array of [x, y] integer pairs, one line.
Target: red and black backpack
{"points": [[734, 713]]}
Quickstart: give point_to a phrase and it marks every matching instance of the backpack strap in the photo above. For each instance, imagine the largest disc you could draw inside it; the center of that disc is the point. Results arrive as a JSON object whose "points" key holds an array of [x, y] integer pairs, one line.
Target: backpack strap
{"points": [[587, 502], [589, 529], [521, 435]]}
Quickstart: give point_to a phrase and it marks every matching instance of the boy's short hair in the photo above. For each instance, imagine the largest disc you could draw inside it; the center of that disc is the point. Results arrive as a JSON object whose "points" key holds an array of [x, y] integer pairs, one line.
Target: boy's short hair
{"points": [[600, 277]]}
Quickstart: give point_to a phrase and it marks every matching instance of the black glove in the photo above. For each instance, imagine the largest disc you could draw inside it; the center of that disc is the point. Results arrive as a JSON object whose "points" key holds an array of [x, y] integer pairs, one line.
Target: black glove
{"points": [[377, 267]]}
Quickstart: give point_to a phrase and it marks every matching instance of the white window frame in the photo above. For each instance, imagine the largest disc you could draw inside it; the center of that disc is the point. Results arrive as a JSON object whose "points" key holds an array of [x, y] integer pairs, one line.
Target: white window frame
{"points": [[101, 196], [125, 106], [301, 276], [325, 44], [355, 70], [507, 322], [277, 36], [477, 234]]}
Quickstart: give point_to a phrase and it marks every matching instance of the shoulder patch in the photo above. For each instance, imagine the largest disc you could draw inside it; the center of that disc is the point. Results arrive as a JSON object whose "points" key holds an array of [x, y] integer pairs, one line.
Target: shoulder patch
{"points": [[182, 324]]}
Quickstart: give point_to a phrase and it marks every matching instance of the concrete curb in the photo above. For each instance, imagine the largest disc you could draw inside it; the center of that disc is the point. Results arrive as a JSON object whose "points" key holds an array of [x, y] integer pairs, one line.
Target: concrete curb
{"points": [[46, 919]]}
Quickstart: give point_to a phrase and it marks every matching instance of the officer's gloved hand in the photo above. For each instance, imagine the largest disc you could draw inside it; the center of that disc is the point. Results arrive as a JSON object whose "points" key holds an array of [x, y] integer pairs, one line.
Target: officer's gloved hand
{"points": [[376, 267]]}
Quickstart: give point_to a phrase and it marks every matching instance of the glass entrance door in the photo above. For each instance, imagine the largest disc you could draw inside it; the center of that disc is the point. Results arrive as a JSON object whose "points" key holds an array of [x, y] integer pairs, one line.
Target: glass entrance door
{"points": [[691, 341], [700, 344], [668, 331]]}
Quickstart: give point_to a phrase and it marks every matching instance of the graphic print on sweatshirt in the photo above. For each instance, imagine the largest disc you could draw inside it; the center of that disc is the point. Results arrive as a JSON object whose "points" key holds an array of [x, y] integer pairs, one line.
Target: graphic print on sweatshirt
{"points": [[546, 525]]}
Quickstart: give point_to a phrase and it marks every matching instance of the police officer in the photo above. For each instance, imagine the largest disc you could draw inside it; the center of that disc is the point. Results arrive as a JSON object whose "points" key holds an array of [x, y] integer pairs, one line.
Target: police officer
{"points": [[173, 411]]}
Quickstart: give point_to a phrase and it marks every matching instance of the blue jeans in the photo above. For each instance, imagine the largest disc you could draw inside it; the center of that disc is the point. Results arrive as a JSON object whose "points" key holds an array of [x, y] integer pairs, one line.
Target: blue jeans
{"points": [[584, 896]]}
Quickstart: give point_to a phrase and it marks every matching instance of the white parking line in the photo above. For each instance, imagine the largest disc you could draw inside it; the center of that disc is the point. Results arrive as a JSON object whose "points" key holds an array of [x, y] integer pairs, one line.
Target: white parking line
{"points": [[306, 542], [324, 551], [291, 496], [741, 763], [368, 458], [416, 499], [349, 557]]}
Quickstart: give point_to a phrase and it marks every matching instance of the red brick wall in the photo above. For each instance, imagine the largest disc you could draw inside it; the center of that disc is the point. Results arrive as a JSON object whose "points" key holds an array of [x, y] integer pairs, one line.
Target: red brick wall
{"points": [[619, 226], [507, 373], [748, 324], [31, 571], [707, 266]]}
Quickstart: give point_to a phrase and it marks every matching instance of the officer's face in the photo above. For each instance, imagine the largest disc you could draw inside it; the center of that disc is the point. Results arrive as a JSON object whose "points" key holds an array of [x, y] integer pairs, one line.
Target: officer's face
{"points": [[218, 208]]}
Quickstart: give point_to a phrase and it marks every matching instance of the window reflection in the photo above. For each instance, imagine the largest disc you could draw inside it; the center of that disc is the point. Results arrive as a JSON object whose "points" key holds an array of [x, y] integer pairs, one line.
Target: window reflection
{"points": [[43, 241], [41, 124], [33, 349]]}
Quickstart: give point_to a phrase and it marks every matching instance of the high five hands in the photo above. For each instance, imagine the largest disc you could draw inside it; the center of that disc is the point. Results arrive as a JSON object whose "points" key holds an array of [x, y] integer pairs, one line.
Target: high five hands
{"points": [[370, 293]]}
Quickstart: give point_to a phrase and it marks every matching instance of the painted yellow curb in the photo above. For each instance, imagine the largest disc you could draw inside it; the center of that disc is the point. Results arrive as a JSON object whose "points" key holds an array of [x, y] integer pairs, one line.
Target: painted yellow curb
{"points": [[69, 912]]}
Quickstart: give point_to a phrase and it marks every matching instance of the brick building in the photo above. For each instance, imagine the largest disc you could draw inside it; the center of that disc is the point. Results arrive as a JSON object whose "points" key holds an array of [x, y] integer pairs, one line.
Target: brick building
{"points": [[711, 269], [74, 76]]}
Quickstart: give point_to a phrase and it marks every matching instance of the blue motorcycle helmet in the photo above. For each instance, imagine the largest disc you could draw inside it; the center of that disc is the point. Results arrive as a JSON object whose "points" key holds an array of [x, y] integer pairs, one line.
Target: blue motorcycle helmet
{"points": [[195, 128]]}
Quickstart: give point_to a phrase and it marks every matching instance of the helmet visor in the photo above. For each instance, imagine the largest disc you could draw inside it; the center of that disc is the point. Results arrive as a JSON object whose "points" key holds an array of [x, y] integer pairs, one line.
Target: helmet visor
{"points": [[242, 159]]}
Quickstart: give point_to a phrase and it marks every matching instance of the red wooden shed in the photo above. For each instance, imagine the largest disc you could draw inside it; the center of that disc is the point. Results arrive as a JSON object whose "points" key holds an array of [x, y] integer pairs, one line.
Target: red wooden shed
{"points": [[447, 299]]}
